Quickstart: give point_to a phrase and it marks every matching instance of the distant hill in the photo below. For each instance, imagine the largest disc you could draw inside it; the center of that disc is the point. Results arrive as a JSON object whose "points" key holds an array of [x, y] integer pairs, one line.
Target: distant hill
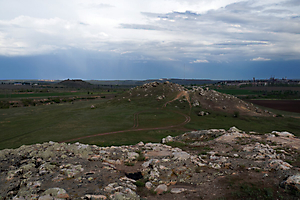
{"points": [[76, 83]]}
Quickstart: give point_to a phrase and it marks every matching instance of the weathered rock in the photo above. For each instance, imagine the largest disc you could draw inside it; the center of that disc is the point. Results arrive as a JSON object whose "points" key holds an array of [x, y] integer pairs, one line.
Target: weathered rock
{"points": [[132, 155], [202, 113], [161, 188], [148, 185], [17, 198], [234, 129], [95, 197], [293, 182], [140, 144], [284, 134], [167, 139], [58, 193], [181, 155], [46, 168], [46, 197], [279, 165], [177, 190], [71, 170], [196, 103]]}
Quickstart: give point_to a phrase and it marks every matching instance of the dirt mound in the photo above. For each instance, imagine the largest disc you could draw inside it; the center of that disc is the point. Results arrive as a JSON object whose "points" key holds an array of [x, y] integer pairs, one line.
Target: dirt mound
{"points": [[210, 164]]}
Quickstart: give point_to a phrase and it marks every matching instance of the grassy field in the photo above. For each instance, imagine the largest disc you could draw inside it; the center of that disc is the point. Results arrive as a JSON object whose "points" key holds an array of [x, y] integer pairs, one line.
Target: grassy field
{"points": [[159, 118], [246, 123], [59, 122], [54, 94], [31, 95], [65, 121], [239, 91]]}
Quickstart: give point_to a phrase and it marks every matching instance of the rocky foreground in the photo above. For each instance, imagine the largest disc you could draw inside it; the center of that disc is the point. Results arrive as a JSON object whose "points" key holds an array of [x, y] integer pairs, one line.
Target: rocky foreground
{"points": [[211, 166]]}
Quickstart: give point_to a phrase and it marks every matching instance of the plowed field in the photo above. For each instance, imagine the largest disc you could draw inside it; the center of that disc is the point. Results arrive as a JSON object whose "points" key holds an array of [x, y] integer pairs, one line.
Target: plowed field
{"points": [[285, 105]]}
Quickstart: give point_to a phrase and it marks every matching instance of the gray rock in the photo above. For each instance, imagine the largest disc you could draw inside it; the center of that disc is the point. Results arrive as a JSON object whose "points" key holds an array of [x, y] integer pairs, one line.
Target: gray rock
{"points": [[95, 197], [147, 163], [17, 198], [181, 155], [140, 144], [46, 197], [132, 155], [284, 134], [234, 129], [167, 139], [71, 170], [161, 188], [148, 185], [196, 103], [126, 195], [279, 165], [57, 193], [201, 113], [293, 182], [177, 190]]}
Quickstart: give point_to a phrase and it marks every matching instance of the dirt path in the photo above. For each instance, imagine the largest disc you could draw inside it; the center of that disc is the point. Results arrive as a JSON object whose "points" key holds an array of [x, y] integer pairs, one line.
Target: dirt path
{"points": [[181, 94]]}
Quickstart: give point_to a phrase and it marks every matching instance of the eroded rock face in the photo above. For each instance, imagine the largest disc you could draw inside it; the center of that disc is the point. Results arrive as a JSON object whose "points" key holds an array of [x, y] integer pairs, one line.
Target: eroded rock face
{"points": [[78, 171]]}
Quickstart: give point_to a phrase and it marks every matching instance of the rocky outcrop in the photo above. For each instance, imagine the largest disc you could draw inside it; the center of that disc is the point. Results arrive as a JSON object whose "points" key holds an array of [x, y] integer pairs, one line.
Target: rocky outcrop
{"points": [[211, 99], [292, 182], [78, 171]]}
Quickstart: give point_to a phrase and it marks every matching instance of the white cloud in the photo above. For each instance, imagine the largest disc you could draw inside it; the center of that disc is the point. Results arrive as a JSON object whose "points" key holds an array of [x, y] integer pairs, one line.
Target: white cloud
{"points": [[261, 59], [199, 61], [217, 30]]}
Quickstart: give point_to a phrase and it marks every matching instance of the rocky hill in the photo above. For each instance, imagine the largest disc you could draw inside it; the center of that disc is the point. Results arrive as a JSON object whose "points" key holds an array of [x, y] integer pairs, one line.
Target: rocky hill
{"points": [[197, 96], [206, 164]]}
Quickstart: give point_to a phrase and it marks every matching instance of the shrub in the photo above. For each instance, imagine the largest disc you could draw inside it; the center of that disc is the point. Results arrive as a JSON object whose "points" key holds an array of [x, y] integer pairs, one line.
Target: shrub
{"points": [[140, 183], [56, 100], [27, 102], [4, 104], [236, 114], [129, 163]]}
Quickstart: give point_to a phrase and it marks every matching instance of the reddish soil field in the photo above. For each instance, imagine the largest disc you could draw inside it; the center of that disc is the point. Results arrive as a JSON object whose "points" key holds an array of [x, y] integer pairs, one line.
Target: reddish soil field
{"points": [[285, 105]]}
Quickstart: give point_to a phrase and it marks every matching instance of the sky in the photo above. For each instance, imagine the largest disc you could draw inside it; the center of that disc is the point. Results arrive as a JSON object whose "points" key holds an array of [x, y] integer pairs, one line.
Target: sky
{"points": [[139, 39]]}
